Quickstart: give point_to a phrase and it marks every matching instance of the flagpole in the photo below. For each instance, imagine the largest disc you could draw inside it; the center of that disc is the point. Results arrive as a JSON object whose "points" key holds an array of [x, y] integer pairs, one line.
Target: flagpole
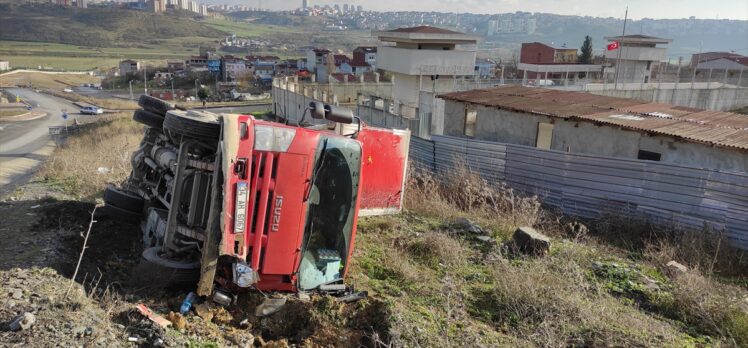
{"points": [[620, 48]]}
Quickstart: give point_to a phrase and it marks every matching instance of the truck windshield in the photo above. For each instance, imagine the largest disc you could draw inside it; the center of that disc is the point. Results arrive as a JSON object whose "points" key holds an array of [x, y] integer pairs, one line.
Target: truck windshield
{"points": [[332, 204]]}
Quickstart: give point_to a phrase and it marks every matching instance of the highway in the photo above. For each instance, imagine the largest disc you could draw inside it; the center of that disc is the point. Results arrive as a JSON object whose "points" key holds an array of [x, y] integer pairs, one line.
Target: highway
{"points": [[24, 145]]}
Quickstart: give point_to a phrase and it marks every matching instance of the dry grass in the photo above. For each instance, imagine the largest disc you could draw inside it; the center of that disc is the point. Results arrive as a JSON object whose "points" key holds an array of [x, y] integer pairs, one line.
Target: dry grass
{"points": [[469, 193], [106, 103], [107, 144], [553, 304], [46, 81], [12, 112], [446, 289], [707, 250]]}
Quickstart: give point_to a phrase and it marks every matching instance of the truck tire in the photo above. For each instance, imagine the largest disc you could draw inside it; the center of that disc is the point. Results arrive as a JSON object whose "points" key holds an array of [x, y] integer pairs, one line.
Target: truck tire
{"points": [[124, 200], [155, 105], [156, 271], [193, 125], [148, 118]]}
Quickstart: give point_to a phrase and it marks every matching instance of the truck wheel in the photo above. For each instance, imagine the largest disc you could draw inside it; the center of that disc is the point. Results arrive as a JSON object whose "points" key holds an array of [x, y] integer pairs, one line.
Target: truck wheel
{"points": [[148, 118], [156, 270], [194, 124], [155, 105], [123, 200]]}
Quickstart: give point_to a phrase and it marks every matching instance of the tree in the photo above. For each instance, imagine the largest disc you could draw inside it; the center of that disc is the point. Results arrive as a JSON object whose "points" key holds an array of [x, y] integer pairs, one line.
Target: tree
{"points": [[203, 93], [586, 56]]}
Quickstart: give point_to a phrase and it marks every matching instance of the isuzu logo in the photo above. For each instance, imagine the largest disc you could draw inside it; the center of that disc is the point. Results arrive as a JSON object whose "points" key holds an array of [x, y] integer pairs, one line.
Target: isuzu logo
{"points": [[277, 213]]}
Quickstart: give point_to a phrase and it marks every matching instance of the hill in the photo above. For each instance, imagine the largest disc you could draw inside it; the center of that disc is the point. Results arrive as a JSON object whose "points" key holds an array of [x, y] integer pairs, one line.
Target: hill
{"points": [[98, 27]]}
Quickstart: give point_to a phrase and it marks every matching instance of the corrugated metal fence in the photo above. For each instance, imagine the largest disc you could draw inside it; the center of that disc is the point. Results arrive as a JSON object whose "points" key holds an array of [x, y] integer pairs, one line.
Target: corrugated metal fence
{"points": [[585, 186]]}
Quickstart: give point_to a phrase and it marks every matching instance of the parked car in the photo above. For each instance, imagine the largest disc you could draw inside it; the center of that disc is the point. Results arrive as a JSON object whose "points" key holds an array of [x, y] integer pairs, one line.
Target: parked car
{"points": [[91, 110]]}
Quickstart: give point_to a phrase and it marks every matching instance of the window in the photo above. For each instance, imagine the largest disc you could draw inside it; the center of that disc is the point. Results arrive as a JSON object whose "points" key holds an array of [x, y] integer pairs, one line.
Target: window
{"points": [[649, 155], [545, 135], [471, 117]]}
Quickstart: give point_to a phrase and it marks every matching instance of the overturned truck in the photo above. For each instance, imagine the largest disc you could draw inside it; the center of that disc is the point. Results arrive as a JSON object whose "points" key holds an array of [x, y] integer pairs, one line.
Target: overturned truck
{"points": [[232, 201]]}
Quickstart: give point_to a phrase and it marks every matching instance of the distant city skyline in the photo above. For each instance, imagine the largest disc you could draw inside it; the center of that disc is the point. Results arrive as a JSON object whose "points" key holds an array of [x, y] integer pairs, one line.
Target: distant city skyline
{"points": [[638, 9]]}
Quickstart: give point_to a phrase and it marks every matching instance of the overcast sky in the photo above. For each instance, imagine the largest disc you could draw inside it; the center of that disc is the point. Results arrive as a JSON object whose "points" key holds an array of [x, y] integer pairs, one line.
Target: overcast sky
{"points": [[710, 9]]}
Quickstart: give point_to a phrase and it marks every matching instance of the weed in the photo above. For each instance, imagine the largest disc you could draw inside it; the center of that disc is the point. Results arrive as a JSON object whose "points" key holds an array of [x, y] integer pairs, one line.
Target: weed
{"points": [[75, 166]]}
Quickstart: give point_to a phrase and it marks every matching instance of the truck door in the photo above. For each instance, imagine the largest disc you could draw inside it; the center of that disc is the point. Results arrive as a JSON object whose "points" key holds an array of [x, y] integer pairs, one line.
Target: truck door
{"points": [[385, 162]]}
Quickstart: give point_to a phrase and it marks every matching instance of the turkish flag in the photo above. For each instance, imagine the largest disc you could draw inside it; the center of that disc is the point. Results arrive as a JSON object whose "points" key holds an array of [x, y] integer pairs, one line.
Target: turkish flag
{"points": [[613, 46]]}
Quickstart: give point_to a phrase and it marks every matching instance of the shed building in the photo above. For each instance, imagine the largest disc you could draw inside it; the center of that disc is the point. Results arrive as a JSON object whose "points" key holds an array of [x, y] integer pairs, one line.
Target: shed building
{"points": [[577, 122]]}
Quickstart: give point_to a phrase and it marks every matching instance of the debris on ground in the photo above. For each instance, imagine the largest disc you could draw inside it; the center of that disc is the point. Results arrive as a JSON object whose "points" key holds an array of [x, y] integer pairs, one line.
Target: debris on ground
{"points": [[353, 297], [529, 241], [270, 306], [204, 311], [177, 320], [466, 225], [148, 313], [187, 303], [22, 322]]}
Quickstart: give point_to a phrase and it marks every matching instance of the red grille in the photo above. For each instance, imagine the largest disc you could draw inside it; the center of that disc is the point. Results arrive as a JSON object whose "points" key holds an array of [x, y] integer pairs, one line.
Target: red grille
{"points": [[262, 185]]}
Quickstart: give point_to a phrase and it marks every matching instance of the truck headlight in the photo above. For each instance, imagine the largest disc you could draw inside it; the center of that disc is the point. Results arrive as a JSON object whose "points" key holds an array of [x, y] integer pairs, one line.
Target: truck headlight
{"points": [[274, 139]]}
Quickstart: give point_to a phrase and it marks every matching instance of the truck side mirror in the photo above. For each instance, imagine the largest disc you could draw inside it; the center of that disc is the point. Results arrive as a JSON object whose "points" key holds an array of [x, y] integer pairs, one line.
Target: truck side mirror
{"points": [[338, 114], [317, 109]]}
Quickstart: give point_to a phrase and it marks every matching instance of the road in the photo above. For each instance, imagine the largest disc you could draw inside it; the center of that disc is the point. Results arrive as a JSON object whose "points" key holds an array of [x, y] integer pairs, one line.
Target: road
{"points": [[24, 145]]}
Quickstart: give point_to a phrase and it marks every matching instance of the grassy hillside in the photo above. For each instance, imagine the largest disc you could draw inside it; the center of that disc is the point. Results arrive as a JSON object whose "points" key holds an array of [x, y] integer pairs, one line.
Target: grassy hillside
{"points": [[435, 284], [97, 27]]}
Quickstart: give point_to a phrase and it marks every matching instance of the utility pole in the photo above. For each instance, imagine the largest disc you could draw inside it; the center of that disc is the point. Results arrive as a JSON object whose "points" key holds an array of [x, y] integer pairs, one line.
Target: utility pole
{"points": [[173, 97], [131, 96], [620, 47]]}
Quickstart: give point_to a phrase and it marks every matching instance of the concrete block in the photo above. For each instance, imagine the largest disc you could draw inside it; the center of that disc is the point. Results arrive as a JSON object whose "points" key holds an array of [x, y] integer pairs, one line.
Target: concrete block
{"points": [[529, 241]]}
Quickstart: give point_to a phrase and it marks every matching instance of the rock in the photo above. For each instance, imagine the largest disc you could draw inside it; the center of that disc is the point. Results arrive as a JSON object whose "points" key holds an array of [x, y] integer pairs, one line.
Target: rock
{"points": [[468, 226], [79, 331], [485, 239], [16, 294], [530, 241], [222, 316], [245, 341], [675, 269], [88, 331], [244, 324], [283, 343], [177, 320], [22, 322], [269, 306], [650, 284], [304, 296], [204, 311]]}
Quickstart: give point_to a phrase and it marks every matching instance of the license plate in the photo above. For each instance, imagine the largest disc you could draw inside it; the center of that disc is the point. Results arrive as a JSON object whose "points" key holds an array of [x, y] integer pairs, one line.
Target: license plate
{"points": [[240, 215]]}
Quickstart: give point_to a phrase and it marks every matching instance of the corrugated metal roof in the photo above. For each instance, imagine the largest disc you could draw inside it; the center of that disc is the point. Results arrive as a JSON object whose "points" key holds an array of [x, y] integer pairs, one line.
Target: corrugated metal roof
{"points": [[712, 127]]}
